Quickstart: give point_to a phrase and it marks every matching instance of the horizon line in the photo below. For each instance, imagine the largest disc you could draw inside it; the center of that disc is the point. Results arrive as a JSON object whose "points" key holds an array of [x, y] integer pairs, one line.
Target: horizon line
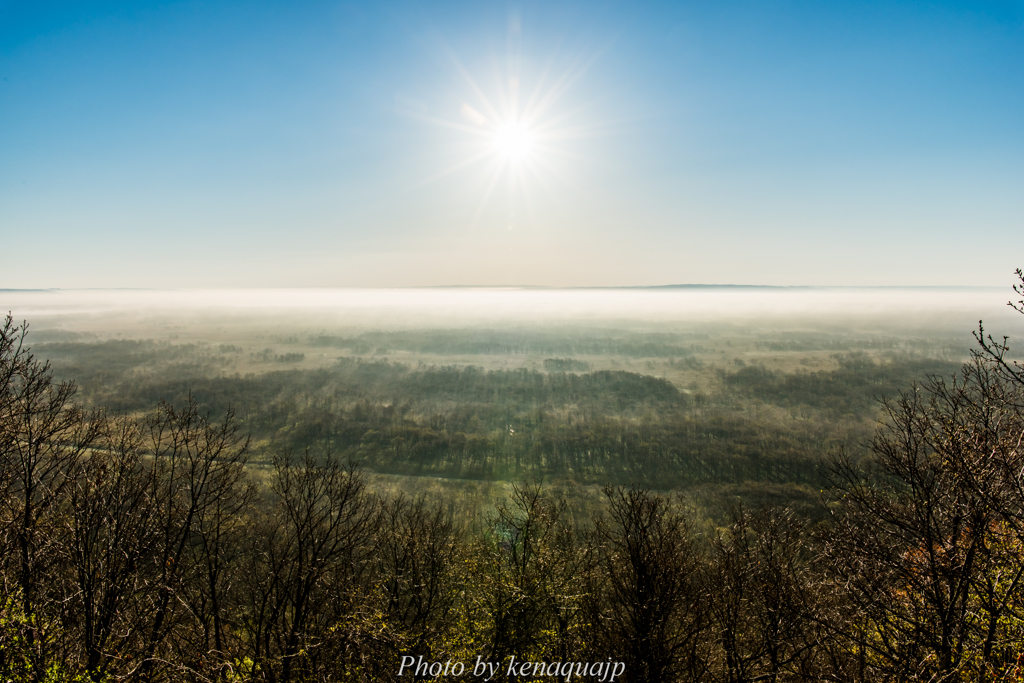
{"points": [[535, 287]]}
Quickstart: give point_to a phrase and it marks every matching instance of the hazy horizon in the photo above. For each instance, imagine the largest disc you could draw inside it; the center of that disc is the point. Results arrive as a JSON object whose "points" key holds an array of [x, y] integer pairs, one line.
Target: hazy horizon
{"points": [[137, 313]]}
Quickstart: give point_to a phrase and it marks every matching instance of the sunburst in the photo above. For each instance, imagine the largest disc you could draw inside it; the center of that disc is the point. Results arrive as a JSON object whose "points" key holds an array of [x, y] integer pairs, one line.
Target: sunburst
{"points": [[518, 143]]}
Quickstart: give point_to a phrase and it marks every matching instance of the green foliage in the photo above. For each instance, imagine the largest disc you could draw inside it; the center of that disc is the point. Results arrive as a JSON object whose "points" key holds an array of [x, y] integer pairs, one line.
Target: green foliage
{"points": [[24, 643]]}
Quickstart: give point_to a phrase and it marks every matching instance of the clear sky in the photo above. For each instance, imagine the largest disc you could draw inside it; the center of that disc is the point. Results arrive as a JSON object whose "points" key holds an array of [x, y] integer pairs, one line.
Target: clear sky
{"points": [[280, 144]]}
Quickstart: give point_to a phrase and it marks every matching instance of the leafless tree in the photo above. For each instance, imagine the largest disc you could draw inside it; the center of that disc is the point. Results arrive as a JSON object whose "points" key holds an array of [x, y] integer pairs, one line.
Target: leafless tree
{"points": [[197, 469], [417, 557], [533, 578], [764, 601], [922, 547], [306, 583], [650, 606], [112, 520], [43, 434]]}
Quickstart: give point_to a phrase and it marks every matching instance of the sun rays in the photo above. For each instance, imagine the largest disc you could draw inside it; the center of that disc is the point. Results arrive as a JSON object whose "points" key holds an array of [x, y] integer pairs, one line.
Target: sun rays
{"points": [[514, 133]]}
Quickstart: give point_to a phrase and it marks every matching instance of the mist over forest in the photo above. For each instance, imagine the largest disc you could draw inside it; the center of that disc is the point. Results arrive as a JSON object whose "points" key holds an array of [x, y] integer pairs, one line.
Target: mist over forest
{"points": [[690, 388], [693, 484]]}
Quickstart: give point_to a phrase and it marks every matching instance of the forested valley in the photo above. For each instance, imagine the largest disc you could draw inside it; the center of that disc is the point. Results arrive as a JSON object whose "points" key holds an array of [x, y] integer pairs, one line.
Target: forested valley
{"points": [[615, 505]]}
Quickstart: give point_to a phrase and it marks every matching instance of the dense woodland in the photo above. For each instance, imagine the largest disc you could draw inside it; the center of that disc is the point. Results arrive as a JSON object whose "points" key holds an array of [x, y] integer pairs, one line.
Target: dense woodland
{"points": [[596, 427], [185, 525]]}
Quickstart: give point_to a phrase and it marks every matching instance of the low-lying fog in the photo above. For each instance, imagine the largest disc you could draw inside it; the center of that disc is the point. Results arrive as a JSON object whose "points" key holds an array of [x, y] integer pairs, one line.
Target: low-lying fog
{"points": [[386, 376], [153, 313]]}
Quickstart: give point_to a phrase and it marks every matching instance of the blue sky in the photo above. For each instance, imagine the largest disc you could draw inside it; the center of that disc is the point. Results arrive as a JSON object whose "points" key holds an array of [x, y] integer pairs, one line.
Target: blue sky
{"points": [[257, 144]]}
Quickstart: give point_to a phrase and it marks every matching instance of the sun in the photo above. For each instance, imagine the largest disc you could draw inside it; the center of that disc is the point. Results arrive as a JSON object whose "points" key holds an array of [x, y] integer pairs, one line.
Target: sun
{"points": [[519, 138], [513, 141]]}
